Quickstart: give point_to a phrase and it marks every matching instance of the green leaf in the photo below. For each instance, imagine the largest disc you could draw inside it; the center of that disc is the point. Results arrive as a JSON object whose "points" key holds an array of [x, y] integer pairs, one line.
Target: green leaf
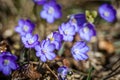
{"points": [[89, 74]]}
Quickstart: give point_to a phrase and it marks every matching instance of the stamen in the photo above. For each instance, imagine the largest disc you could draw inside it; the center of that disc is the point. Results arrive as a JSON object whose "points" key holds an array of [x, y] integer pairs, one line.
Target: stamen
{"points": [[52, 39]]}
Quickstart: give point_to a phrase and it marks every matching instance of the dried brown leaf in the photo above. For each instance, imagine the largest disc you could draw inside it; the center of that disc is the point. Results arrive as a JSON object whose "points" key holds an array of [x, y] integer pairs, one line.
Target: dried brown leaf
{"points": [[106, 45], [26, 72], [3, 46]]}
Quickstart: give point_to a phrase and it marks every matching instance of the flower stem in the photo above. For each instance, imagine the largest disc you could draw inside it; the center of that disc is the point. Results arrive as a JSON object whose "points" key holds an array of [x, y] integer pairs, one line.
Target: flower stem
{"points": [[29, 55], [89, 74], [22, 54], [60, 52]]}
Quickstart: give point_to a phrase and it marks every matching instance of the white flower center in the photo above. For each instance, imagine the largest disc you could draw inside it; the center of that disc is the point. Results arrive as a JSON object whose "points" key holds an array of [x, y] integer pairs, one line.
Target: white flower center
{"points": [[51, 10], [30, 41], [6, 62], [25, 28], [76, 51], [66, 32], [106, 13], [44, 51], [86, 29], [50, 36]]}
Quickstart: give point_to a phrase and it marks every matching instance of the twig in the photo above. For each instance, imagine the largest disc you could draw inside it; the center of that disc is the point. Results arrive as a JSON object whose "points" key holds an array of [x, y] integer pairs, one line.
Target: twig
{"points": [[118, 72], [114, 70], [33, 62], [80, 72], [115, 62], [51, 71], [112, 73], [111, 65], [40, 66]]}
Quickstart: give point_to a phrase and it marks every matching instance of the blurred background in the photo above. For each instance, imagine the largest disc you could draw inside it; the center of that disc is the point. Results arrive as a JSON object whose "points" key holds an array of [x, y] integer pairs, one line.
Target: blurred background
{"points": [[105, 47]]}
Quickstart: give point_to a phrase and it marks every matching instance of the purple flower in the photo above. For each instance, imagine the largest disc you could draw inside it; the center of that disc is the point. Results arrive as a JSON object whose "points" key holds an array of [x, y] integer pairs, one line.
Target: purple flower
{"points": [[80, 19], [7, 63], [74, 23], [51, 11], [68, 31], [79, 51], [45, 51], [24, 26], [107, 12], [55, 38], [30, 41], [40, 2], [62, 72], [87, 31]]}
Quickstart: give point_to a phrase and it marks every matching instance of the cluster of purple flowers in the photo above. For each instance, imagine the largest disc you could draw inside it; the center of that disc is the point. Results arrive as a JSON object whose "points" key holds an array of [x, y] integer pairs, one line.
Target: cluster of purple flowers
{"points": [[77, 24], [45, 49], [51, 10], [7, 63], [25, 29], [66, 32], [85, 29]]}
